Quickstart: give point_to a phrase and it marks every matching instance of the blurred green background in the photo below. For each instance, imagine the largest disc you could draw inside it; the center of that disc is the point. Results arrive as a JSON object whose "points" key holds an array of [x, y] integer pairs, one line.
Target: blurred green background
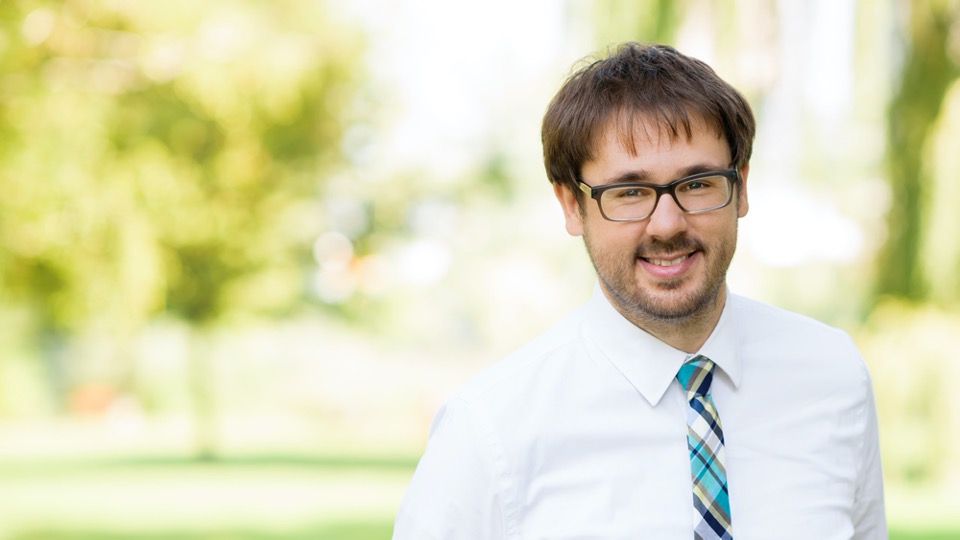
{"points": [[247, 247]]}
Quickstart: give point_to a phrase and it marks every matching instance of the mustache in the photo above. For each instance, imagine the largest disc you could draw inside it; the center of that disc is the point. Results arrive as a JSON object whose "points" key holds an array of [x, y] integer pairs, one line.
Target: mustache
{"points": [[676, 244]]}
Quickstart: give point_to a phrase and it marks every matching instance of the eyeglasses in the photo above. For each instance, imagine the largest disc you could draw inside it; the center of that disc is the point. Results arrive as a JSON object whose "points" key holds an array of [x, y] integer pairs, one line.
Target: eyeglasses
{"points": [[634, 201]]}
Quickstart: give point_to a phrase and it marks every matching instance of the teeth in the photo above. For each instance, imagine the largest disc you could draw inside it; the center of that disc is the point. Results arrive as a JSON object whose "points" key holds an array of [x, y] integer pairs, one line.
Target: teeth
{"points": [[664, 262]]}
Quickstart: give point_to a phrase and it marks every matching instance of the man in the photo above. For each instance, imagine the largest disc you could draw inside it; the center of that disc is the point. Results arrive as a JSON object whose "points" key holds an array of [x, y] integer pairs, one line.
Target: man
{"points": [[666, 407]]}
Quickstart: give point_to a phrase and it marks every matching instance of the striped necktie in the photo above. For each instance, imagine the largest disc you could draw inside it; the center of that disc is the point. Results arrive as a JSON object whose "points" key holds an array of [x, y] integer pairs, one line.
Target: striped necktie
{"points": [[711, 502]]}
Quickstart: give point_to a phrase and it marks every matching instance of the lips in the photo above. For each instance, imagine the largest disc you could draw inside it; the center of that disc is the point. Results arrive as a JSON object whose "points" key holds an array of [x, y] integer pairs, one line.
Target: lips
{"points": [[666, 262], [669, 268], [671, 260]]}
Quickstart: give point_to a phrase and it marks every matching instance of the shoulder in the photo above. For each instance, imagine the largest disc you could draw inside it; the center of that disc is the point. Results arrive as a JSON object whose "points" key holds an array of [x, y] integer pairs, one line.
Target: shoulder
{"points": [[766, 331], [758, 321], [462, 482]]}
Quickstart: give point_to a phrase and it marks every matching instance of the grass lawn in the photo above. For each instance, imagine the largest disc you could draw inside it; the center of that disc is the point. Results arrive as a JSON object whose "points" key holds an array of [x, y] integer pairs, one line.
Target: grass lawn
{"points": [[898, 534], [340, 531], [272, 497]]}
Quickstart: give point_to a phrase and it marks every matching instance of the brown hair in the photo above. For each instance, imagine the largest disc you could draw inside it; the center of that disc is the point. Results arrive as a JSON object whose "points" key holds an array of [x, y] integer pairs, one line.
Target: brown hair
{"points": [[640, 82]]}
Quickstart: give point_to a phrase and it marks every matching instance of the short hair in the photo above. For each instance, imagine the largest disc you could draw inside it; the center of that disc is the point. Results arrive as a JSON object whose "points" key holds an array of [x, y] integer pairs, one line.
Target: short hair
{"points": [[638, 83]]}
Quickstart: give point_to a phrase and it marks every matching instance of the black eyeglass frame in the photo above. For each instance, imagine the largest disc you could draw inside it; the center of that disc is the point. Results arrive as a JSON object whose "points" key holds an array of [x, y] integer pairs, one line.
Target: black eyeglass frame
{"points": [[596, 192]]}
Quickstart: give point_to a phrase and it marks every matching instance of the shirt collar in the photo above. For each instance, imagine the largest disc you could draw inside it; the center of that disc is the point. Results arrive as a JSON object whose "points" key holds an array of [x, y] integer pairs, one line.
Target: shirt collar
{"points": [[648, 363]]}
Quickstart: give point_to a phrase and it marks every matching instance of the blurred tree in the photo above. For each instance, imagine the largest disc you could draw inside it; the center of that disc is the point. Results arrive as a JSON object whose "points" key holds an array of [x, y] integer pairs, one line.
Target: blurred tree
{"points": [[646, 20], [927, 73], [165, 158]]}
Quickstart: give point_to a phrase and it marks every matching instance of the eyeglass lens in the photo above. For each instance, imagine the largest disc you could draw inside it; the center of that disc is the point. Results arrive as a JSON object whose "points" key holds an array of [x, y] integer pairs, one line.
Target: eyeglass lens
{"points": [[694, 195]]}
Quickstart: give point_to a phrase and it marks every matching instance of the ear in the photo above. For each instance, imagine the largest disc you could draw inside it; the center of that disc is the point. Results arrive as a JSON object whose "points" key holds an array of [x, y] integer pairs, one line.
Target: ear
{"points": [[742, 204], [571, 209]]}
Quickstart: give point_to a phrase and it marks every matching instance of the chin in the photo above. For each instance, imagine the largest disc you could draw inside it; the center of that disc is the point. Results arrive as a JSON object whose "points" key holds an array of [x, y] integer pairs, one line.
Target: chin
{"points": [[671, 302]]}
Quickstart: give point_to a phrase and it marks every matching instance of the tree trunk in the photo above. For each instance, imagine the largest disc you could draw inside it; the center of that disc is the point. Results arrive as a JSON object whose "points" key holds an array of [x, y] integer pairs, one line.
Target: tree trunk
{"points": [[202, 383], [924, 80]]}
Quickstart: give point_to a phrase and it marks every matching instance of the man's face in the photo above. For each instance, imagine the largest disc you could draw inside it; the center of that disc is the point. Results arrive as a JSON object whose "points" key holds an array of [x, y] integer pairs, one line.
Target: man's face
{"points": [[672, 265]]}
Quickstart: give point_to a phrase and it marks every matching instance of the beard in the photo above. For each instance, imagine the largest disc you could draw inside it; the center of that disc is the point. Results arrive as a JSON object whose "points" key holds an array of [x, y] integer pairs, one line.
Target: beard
{"points": [[680, 300]]}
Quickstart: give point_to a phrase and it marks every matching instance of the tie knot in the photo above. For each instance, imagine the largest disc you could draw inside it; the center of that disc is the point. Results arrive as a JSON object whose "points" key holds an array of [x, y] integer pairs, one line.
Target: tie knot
{"points": [[696, 375]]}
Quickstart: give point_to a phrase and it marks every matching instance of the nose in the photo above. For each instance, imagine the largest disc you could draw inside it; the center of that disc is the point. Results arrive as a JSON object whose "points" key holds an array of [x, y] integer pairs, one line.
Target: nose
{"points": [[667, 220]]}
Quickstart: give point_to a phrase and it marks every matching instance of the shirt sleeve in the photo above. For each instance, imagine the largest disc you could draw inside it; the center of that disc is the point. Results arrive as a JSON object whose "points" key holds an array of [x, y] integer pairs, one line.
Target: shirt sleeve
{"points": [[454, 491], [869, 519]]}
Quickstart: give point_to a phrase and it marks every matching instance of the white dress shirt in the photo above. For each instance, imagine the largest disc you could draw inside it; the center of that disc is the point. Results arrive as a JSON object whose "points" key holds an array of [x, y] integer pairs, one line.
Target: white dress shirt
{"points": [[582, 434]]}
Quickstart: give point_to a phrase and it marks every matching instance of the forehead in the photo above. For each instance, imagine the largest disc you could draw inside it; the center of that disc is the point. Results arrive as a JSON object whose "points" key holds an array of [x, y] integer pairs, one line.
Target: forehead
{"points": [[635, 133], [646, 149]]}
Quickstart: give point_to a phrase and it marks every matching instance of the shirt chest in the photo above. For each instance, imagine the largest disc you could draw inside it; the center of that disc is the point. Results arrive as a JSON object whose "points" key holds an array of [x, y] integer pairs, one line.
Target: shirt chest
{"points": [[615, 467]]}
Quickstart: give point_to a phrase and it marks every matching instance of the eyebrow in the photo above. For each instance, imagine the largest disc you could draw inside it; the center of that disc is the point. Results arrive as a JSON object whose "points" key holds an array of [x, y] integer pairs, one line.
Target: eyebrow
{"points": [[645, 177]]}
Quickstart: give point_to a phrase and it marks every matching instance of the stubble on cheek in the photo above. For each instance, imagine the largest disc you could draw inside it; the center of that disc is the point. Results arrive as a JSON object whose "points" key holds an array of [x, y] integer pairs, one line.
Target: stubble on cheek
{"points": [[659, 300]]}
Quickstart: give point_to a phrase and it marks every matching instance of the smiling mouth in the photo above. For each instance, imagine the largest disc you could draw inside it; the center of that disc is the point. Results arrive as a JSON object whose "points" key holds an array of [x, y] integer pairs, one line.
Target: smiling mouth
{"points": [[669, 254], [667, 262]]}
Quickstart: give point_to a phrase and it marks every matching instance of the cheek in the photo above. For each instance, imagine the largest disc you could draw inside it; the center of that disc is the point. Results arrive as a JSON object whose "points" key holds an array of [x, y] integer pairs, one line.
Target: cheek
{"points": [[727, 232], [613, 240], [715, 229]]}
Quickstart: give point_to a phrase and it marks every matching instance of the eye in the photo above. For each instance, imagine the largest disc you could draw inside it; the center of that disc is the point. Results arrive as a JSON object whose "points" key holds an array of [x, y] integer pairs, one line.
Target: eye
{"points": [[700, 184], [631, 194]]}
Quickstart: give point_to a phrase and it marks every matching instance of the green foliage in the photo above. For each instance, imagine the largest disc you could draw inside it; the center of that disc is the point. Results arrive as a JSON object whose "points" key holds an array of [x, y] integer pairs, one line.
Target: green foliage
{"points": [[912, 378], [648, 20], [165, 159]]}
